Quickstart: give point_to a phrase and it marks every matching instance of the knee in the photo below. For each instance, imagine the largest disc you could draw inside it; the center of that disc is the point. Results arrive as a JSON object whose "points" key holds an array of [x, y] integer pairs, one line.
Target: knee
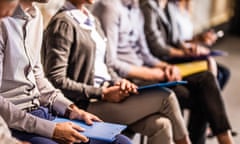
{"points": [[206, 77], [172, 99], [121, 139], [163, 124], [163, 127]]}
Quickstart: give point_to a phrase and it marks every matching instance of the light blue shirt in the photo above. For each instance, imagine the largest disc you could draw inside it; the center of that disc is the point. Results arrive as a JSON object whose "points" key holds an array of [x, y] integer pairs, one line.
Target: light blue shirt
{"points": [[184, 23], [21, 75], [123, 22]]}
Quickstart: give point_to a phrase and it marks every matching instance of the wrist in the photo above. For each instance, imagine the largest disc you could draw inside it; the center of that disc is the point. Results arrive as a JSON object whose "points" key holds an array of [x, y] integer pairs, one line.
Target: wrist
{"points": [[104, 91], [69, 110]]}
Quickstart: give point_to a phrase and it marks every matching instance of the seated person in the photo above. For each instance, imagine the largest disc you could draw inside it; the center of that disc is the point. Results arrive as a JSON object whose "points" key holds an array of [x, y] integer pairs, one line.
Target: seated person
{"points": [[123, 24], [208, 38], [163, 36], [6, 9], [164, 40], [183, 11], [185, 25], [23, 83], [75, 59]]}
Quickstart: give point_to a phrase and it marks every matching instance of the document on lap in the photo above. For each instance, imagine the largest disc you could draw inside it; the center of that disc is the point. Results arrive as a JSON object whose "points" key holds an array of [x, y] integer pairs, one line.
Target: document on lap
{"points": [[189, 68], [99, 130]]}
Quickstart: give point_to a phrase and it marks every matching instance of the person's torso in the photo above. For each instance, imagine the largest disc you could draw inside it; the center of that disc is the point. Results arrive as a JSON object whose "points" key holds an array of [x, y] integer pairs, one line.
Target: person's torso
{"points": [[21, 54]]}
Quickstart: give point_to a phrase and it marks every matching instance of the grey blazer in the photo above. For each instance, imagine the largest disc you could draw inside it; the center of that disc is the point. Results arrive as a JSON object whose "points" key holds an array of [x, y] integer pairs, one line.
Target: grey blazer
{"points": [[68, 58], [160, 27]]}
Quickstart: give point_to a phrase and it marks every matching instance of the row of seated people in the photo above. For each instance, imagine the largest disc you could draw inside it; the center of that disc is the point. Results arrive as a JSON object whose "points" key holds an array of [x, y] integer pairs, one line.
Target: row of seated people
{"points": [[169, 34], [24, 85], [26, 96], [129, 57], [79, 60]]}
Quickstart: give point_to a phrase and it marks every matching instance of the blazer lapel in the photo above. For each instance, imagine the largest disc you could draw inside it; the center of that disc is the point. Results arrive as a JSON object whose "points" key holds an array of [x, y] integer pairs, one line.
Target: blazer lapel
{"points": [[161, 14]]}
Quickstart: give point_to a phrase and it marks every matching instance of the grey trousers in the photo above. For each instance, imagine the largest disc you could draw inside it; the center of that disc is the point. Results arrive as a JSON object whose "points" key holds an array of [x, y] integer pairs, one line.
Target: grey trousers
{"points": [[154, 113]]}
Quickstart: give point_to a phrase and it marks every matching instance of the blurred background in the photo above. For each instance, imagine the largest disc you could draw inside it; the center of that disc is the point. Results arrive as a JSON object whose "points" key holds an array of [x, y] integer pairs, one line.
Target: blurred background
{"points": [[207, 14]]}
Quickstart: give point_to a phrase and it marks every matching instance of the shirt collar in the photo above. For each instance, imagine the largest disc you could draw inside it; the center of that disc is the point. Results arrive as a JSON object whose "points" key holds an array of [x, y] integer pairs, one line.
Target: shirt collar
{"points": [[83, 20], [69, 6], [26, 15]]}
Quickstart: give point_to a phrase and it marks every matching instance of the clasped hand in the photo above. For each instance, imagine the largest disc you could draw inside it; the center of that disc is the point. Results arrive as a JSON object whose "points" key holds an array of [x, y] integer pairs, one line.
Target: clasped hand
{"points": [[119, 91], [172, 73]]}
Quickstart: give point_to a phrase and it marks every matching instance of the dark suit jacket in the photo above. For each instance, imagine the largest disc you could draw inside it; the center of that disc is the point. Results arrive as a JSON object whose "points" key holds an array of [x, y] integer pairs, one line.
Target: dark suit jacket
{"points": [[160, 27]]}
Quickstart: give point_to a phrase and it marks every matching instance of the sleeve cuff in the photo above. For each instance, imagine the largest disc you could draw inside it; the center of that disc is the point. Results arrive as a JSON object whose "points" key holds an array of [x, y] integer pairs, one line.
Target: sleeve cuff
{"points": [[61, 104], [45, 127]]}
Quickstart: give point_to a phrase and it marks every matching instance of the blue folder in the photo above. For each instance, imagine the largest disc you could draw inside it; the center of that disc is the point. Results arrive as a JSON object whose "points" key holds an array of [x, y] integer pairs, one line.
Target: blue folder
{"points": [[165, 84], [99, 130]]}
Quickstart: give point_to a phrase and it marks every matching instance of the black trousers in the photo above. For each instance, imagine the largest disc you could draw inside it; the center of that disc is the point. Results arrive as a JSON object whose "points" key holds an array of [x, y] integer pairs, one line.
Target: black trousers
{"points": [[202, 95]]}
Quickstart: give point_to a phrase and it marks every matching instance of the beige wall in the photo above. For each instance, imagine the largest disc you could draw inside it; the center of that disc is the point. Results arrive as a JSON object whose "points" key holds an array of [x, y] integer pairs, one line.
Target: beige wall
{"points": [[208, 13], [205, 13], [221, 11]]}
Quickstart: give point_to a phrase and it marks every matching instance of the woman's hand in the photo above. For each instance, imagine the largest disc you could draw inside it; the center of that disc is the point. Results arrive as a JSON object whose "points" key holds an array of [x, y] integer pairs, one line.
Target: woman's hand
{"points": [[114, 94], [126, 85]]}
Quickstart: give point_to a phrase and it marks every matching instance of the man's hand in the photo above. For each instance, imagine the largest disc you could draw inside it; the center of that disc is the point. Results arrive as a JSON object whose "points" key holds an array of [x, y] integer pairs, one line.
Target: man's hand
{"points": [[76, 113], [172, 73], [190, 49], [67, 133]]}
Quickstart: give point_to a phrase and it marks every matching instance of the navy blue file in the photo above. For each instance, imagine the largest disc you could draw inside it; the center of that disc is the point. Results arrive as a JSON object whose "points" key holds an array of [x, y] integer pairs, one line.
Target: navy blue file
{"points": [[99, 130]]}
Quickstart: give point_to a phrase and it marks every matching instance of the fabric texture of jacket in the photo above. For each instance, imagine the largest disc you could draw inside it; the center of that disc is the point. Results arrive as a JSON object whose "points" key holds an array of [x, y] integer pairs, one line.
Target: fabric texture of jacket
{"points": [[68, 57], [160, 27], [21, 76]]}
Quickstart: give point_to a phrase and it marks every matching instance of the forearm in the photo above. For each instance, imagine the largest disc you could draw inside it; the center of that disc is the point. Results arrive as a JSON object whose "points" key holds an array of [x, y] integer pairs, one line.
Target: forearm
{"points": [[162, 65], [176, 52], [146, 74], [136, 72]]}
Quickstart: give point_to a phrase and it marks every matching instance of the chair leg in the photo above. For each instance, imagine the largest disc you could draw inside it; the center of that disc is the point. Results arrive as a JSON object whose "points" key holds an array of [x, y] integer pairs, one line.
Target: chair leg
{"points": [[142, 139]]}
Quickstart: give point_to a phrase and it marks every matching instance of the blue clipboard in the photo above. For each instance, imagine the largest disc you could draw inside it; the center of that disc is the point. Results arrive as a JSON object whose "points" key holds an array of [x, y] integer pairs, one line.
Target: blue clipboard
{"points": [[99, 130], [165, 84]]}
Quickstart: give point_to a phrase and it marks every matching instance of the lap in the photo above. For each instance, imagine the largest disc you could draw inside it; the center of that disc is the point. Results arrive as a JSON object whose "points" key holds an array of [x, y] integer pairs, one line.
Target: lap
{"points": [[132, 109], [32, 138], [43, 113]]}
